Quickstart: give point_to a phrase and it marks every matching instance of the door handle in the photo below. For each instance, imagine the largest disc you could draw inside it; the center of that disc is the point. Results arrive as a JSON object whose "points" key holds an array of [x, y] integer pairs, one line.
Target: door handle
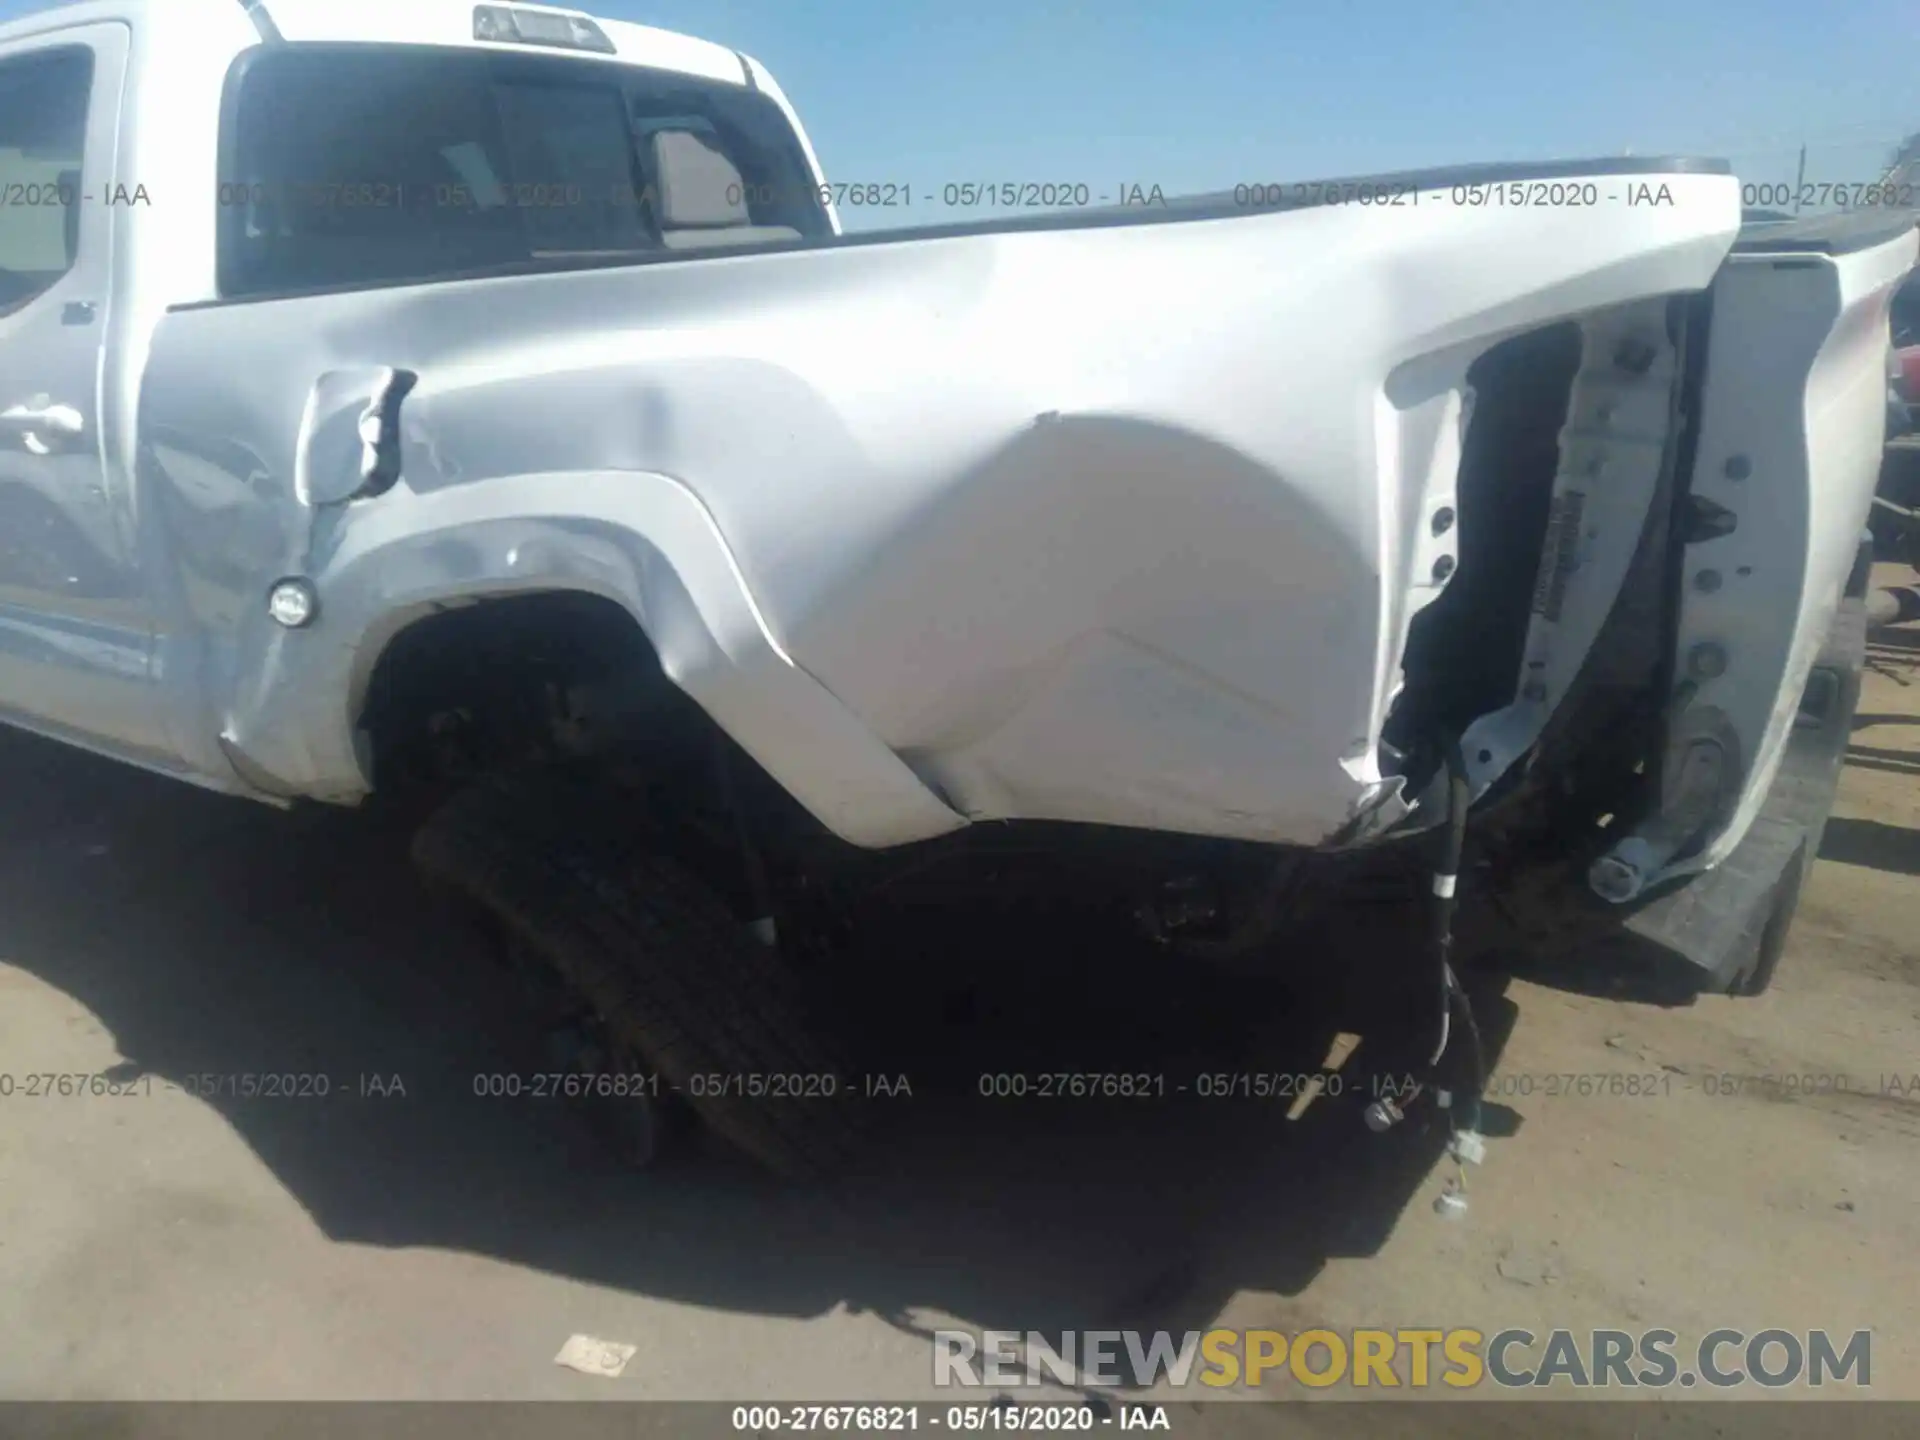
{"points": [[39, 418], [379, 431], [349, 447]]}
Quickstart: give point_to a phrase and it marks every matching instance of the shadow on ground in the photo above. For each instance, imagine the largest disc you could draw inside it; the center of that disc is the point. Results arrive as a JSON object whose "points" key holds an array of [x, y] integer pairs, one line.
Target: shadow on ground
{"points": [[1895, 640], [1884, 757], [1873, 843], [210, 935]]}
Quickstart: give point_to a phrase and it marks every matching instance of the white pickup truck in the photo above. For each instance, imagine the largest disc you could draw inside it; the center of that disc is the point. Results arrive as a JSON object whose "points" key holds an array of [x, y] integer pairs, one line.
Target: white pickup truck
{"points": [[484, 398]]}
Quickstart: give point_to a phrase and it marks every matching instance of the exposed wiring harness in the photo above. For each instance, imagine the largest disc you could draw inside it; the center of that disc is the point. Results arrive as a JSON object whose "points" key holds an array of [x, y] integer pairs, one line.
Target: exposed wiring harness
{"points": [[1446, 887]]}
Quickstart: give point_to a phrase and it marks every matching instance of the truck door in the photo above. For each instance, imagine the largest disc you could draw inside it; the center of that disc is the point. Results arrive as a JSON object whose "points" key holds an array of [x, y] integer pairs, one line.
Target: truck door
{"points": [[75, 642]]}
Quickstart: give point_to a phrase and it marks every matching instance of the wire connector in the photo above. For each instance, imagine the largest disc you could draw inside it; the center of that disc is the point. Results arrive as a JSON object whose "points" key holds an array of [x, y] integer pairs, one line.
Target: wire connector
{"points": [[1469, 1147]]}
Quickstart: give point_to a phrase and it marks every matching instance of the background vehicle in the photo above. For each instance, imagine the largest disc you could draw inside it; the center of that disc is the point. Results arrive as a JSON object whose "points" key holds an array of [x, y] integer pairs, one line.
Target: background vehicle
{"points": [[482, 405], [1895, 520]]}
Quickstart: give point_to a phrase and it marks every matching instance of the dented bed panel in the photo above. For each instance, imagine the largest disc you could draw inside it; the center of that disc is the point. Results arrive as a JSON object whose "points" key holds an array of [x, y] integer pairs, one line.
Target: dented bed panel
{"points": [[1120, 524]]}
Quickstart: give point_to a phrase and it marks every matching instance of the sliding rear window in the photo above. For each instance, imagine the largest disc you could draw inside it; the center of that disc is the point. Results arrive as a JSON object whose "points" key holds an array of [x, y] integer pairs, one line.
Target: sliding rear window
{"points": [[346, 165]]}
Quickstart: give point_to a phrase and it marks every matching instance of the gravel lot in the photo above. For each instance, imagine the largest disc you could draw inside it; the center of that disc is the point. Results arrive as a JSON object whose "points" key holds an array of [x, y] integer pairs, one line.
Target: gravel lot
{"points": [[436, 1244]]}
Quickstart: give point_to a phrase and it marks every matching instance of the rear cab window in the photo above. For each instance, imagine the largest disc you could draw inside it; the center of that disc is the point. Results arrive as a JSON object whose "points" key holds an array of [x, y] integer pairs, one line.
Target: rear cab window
{"points": [[345, 165], [43, 134]]}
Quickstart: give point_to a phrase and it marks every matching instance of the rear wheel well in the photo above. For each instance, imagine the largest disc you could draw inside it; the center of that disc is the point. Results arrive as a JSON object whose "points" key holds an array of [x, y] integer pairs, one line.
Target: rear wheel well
{"points": [[569, 679], [506, 682]]}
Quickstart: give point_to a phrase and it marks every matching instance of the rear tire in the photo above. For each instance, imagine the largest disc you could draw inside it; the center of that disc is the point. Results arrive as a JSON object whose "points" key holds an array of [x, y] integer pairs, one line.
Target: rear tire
{"points": [[676, 979]]}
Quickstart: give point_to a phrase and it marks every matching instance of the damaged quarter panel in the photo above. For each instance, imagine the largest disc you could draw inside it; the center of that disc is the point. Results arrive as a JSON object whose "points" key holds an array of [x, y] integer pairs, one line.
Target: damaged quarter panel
{"points": [[1105, 522], [1789, 452]]}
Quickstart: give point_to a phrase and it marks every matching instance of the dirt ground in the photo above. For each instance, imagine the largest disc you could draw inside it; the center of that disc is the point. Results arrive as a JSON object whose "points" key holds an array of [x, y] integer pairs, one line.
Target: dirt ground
{"points": [[436, 1244]]}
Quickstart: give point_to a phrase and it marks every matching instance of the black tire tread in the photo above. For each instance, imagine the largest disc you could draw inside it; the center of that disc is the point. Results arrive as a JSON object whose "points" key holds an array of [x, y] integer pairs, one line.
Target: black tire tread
{"points": [[673, 974]]}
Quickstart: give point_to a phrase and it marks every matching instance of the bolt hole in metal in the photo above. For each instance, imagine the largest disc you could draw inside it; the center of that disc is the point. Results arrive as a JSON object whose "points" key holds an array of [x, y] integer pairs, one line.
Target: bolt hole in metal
{"points": [[1443, 567], [1443, 520], [1707, 661], [1707, 581], [1738, 467]]}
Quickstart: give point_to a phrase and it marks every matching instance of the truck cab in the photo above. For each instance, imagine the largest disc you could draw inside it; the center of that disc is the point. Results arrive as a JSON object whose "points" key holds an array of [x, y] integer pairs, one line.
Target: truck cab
{"points": [[153, 156]]}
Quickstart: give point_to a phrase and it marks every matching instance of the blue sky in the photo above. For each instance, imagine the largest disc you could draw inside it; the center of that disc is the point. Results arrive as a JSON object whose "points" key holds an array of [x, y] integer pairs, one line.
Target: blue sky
{"points": [[1207, 94], [1211, 93]]}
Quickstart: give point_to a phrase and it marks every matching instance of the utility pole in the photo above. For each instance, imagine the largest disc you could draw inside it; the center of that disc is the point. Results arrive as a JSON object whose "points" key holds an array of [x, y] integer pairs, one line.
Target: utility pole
{"points": [[1800, 177]]}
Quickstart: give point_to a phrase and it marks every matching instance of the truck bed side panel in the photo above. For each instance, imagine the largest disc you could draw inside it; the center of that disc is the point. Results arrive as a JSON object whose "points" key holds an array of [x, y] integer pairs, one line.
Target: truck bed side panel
{"points": [[1110, 523]]}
